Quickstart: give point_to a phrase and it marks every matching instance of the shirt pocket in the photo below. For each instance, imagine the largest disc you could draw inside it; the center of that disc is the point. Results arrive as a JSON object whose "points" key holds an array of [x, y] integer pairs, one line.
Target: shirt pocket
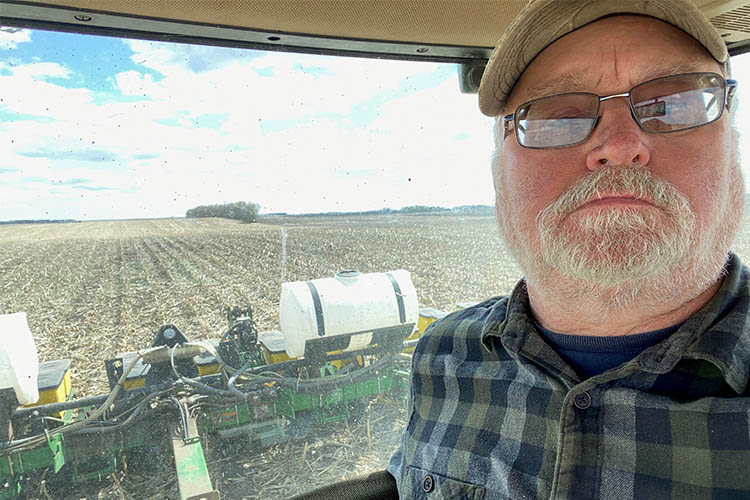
{"points": [[426, 485]]}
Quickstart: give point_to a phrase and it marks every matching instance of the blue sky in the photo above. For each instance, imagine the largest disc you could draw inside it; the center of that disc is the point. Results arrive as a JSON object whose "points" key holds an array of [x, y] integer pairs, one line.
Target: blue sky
{"points": [[101, 128], [106, 128]]}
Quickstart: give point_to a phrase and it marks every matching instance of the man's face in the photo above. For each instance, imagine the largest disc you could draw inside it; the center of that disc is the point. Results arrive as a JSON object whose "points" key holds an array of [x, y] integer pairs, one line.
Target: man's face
{"points": [[624, 205]]}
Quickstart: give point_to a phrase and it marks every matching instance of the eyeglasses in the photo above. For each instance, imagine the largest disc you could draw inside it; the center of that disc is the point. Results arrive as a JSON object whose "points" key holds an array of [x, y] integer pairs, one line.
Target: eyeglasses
{"points": [[659, 106]]}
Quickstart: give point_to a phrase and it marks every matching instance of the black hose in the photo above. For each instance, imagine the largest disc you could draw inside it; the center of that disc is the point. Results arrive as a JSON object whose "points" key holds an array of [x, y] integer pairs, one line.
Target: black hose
{"points": [[183, 416], [233, 378], [318, 386], [51, 408], [111, 426], [207, 389]]}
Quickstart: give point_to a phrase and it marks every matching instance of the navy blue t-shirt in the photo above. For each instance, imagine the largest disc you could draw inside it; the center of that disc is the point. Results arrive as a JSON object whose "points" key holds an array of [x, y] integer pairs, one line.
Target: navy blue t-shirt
{"points": [[590, 355]]}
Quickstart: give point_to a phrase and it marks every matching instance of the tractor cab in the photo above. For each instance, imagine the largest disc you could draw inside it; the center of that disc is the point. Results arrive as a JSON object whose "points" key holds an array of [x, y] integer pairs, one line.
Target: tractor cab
{"points": [[225, 226]]}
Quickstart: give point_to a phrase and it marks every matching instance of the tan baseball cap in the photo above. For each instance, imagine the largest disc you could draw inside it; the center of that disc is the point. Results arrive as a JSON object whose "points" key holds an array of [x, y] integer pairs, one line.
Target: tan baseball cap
{"points": [[542, 22]]}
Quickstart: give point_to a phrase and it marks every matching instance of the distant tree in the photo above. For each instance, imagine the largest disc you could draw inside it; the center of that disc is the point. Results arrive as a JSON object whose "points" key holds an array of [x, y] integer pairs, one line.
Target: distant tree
{"points": [[239, 210], [420, 209], [37, 221]]}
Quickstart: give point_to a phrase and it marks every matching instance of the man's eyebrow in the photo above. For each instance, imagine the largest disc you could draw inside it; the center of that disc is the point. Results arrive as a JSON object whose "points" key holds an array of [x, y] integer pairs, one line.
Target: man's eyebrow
{"points": [[569, 82], [665, 69], [584, 81]]}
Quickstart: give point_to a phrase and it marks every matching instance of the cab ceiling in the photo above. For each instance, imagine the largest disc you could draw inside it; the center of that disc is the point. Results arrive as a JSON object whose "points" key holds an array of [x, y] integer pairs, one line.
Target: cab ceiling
{"points": [[431, 29]]}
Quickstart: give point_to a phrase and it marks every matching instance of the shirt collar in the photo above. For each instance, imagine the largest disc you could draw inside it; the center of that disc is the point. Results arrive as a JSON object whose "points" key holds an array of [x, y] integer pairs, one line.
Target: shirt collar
{"points": [[505, 318], [718, 333]]}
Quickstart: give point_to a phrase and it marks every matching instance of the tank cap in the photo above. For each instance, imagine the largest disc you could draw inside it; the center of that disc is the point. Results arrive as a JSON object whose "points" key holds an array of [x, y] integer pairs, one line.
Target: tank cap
{"points": [[347, 275]]}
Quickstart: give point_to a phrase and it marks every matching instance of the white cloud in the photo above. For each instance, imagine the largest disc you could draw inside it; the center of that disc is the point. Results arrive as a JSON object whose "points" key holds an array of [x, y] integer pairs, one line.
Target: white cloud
{"points": [[26, 92], [37, 70], [11, 37], [300, 84], [220, 129], [134, 83]]}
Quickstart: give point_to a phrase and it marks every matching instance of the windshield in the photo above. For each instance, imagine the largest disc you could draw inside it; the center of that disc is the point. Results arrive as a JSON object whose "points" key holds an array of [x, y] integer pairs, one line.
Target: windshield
{"points": [[149, 183]]}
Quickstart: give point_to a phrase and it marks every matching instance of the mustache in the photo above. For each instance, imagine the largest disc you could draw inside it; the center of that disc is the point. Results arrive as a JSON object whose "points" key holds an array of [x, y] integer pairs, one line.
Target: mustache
{"points": [[634, 181]]}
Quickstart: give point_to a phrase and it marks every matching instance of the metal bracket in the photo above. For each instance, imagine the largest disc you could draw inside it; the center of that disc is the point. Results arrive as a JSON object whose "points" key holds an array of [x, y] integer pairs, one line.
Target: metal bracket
{"points": [[192, 473]]}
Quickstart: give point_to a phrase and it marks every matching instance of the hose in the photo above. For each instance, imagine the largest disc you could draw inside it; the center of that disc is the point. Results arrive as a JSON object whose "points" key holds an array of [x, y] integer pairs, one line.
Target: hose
{"points": [[231, 394], [34, 441]]}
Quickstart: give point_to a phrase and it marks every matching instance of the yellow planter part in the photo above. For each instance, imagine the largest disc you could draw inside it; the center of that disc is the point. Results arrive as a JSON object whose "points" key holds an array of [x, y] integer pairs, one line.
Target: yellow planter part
{"points": [[53, 383], [427, 316], [274, 346], [134, 383]]}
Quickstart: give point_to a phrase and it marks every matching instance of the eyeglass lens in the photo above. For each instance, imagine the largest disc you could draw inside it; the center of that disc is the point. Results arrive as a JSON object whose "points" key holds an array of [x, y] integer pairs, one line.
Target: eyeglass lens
{"points": [[666, 104], [679, 102]]}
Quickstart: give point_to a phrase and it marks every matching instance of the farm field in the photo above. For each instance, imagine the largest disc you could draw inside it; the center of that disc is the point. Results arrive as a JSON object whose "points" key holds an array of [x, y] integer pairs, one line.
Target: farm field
{"points": [[94, 289]]}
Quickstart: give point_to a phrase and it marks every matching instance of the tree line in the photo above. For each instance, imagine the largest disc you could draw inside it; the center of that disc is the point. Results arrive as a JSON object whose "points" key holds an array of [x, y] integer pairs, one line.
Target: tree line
{"points": [[37, 221], [411, 209], [240, 210]]}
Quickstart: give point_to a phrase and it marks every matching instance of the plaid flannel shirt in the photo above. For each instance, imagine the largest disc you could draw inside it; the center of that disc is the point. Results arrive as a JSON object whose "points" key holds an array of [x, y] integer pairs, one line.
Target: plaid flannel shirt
{"points": [[495, 413]]}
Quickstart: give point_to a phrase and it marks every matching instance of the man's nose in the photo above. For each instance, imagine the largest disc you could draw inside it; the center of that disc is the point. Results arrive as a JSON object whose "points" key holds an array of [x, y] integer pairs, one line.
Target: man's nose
{"points": [[617, 140]]}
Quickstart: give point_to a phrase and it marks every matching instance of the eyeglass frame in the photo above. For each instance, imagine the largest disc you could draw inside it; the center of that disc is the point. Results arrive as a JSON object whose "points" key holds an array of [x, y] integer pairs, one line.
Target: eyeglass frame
{"points": [[730, 88]]}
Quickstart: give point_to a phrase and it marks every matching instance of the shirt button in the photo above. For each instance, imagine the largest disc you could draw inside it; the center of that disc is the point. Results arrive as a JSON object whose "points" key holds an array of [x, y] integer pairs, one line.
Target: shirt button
{"points": [[428, 484], [582, 400]]}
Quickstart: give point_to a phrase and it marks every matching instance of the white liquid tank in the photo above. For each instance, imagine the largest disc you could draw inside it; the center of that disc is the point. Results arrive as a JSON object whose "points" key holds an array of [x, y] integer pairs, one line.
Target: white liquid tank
{"points": [[19, 362], [346, 303]]}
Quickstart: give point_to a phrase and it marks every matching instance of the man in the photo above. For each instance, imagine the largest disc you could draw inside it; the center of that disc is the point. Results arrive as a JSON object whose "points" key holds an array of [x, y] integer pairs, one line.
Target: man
{"points": [[618, 368]]}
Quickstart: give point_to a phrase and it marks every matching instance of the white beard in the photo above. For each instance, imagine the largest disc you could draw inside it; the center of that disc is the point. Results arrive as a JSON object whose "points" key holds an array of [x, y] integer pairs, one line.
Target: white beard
{"points": [[622, 244], [626, 257]]}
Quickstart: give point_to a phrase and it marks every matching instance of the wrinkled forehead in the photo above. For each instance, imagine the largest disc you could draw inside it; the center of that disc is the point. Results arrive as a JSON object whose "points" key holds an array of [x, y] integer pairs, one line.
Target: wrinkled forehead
{"points": [[625, 48]]}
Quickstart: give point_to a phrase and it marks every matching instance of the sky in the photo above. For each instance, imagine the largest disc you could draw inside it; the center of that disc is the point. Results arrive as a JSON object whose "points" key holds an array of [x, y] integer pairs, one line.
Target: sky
{"points": [[106, 128]]}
